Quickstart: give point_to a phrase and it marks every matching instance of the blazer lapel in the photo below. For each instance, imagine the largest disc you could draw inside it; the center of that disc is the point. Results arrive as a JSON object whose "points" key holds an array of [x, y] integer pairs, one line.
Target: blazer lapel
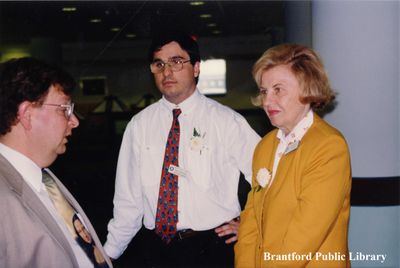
{"points": [[48, 221], [81, 212], [32, 203], [260, 196]]}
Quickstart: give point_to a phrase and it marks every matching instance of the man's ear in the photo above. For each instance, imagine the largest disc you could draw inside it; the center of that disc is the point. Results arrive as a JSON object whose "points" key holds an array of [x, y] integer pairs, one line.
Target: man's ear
{"points": [[24, 114], [196, 68]]}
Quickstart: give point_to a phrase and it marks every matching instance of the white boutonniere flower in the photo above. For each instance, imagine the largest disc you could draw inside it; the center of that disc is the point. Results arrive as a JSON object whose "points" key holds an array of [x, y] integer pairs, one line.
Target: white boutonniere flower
{"points": [[263, 178], [197, 141]]}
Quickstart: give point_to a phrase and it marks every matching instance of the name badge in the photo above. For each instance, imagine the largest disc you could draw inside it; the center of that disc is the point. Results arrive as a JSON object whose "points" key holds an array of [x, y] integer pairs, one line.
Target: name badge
{"points": [[177, 171], [291, 147]]}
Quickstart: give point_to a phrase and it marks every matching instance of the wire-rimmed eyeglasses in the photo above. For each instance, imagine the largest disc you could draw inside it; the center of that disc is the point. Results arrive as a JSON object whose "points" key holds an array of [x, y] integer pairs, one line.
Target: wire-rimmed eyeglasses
{"points": [[176, 64], [68, 108]]}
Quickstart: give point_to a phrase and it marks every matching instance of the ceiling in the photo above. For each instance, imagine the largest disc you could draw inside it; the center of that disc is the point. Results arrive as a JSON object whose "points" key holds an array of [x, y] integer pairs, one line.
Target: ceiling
{"points": [[93, 21]]}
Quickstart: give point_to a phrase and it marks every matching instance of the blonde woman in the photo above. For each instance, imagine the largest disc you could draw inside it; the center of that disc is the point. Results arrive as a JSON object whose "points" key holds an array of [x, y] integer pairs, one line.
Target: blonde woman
{"points": [[297, 212]]}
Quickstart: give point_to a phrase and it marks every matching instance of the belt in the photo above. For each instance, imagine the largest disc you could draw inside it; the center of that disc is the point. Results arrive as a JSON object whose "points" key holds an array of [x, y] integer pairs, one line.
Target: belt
{"points": [[187, 233]]}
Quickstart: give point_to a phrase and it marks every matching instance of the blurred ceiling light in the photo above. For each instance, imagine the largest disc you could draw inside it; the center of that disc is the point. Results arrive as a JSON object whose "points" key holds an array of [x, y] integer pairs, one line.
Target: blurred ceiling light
{"points": [[211, 24], [205, 16], [95, 20], [130, 35], [216, 32], [196, 3], [115, 29], [69, 9]]}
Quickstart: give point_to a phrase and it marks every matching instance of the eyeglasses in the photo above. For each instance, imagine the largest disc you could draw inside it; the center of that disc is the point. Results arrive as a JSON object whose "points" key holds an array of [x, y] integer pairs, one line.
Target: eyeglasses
{"points": [[176, 64], [68, 108]]}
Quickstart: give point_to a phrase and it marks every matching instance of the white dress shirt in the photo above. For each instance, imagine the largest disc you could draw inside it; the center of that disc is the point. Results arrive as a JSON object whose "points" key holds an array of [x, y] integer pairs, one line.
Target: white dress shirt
{"points": [[32, 174], [210, 162]]}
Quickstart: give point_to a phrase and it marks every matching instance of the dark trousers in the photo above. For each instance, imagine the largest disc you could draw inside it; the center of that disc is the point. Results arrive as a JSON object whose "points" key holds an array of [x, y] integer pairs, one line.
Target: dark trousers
{"points": [[202, 249]]}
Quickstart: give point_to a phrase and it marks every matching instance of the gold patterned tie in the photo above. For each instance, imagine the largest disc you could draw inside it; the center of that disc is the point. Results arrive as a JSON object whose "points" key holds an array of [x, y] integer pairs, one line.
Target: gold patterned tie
{"points": [[72, 221]]}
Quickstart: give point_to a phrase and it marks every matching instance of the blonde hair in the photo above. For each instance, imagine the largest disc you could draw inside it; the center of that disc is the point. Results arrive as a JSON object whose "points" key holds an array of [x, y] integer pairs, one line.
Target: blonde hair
{"points": [[306, 66]]}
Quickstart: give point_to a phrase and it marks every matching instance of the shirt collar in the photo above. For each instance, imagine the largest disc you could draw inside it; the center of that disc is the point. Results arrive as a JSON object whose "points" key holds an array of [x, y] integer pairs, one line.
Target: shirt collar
{"points": [[299, 130], [186, 106], [30, 172]]}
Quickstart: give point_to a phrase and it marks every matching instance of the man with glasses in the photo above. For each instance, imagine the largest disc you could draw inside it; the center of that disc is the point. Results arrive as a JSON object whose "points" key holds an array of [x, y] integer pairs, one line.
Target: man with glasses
{"points": [[36, 120], [179, 166]]}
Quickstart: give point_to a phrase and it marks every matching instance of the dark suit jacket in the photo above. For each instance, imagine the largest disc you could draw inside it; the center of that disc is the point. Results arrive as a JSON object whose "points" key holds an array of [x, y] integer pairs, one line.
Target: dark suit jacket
{"points": [[29, 236]]}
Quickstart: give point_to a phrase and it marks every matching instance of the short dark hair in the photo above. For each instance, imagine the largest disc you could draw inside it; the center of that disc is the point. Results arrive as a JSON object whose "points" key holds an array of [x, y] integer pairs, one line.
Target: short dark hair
{"points": [[185, 41], [27, 79]]}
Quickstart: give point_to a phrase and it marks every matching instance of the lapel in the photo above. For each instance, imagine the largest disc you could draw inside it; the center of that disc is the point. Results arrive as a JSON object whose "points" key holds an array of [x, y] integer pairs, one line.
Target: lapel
{"points": [[283, 170], [267, 161], [268, 154], [282, 173], [32, 203], [79, 209]]}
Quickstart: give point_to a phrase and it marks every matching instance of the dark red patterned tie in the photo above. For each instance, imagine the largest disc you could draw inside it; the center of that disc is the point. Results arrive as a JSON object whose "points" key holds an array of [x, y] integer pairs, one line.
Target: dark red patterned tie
{"points": [[167, 205]]}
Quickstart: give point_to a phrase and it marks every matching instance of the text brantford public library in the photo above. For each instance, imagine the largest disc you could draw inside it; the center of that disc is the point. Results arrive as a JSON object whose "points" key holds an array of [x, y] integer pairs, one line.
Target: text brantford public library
{"points": [[330, 256]]}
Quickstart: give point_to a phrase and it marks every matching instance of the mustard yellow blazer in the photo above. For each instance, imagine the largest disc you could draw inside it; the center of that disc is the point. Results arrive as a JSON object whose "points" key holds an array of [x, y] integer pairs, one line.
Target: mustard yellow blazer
{"points": [[301, 220]]}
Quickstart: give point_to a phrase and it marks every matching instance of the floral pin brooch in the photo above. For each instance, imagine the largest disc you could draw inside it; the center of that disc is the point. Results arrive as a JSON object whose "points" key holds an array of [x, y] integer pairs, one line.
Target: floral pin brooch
{"points": [[197, 141], [263, 178]]}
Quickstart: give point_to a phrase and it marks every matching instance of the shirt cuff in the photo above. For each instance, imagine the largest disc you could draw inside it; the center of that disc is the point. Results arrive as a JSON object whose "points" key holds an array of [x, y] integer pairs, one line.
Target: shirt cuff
{"points": [[111, 251]]}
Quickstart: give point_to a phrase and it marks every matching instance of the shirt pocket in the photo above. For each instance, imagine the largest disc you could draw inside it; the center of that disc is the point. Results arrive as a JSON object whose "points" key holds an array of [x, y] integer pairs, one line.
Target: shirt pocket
{"points": [[151, 160], [200, 164]]}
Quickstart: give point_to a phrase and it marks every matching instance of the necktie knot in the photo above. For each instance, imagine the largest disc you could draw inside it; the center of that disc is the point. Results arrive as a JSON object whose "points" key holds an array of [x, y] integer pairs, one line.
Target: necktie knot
{"points": [[46, 179], [176, 113]]}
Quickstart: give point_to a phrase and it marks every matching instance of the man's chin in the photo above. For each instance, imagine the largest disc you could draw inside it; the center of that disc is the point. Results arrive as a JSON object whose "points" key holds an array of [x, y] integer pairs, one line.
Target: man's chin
{"points": [[50, 160], [61, 150]]}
